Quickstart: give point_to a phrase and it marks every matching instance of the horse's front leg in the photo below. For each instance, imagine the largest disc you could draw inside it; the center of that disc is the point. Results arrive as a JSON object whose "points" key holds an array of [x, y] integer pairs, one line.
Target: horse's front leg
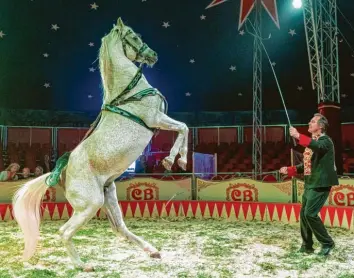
{"points": [[180, 146]]}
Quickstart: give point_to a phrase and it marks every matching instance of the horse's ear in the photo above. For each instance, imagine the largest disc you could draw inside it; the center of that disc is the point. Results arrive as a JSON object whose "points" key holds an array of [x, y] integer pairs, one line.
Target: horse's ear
{"points": [[120, 23]]}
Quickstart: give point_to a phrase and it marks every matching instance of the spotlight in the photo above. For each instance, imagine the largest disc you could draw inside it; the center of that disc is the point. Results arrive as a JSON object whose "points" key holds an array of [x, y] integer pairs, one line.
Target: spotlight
{"points": [[297, 4]]}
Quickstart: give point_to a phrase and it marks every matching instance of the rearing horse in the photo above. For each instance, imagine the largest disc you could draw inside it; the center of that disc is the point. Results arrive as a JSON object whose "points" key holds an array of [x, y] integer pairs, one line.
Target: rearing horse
{"points": [[131, 111]]}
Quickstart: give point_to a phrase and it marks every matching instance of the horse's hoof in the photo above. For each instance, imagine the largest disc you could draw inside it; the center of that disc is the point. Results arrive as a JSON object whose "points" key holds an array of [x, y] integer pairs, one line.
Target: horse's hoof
{"points": [[167, 164], [155, 255], [88, 268], [182, 164]]}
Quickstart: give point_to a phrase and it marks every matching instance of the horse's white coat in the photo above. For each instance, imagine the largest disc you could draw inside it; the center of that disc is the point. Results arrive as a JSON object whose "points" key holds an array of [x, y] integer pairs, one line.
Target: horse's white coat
{"points": [[107, 152]]}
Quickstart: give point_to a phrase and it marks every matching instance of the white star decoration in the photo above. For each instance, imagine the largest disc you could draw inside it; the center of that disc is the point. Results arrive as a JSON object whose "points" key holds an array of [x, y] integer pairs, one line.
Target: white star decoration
{"points": [[352, 74], [92, 69], [45, 55], [274, 64], [94, 6], [343, 95], [242, 32], [143, 0], [299, 88], [91, 44], [47, 85], [232, 68], [55, 27], [202, 17], [239, 94], [90, 96], [188, 94], [292, 32], [192, 61], [2, 34], [166, 24]]}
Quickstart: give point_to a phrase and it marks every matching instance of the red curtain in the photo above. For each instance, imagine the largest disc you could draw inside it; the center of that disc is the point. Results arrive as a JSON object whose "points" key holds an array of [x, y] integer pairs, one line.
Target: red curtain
{"points": [[274, 134], [348, 133], [30, 136], [18, 135], [207, 135], [69, 138], [303, 129], [248, 134], [228, 135], [163, 141]]}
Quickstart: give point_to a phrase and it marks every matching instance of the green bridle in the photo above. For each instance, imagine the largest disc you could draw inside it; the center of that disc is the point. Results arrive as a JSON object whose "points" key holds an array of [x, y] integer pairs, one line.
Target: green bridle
{"points": [[139, 51]]}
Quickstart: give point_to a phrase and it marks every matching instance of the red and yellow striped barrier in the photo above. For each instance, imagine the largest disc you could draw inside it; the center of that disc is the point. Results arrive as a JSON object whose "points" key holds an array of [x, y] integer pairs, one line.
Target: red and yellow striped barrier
{"points": [[233, 211]]}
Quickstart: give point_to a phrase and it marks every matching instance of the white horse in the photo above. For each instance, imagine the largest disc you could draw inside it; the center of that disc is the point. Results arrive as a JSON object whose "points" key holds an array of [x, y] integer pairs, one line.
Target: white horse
{"points": [[131, 110]]}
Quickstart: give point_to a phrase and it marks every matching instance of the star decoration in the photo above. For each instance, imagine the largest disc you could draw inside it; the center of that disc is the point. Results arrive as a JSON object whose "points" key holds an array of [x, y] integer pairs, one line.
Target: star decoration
{"points": [[274, 64], [45, 55], [242, 32], [143, 0], [239, 94], [2, 34], [47, 85], [232, 68], [94, 6], [188, 94], [192, 61], [55, 27], [90, 96], [92, 69], [292, 32], [202, 17], [343, 95], [352, 74], [166, 24], [91, 44], [299, 88]]}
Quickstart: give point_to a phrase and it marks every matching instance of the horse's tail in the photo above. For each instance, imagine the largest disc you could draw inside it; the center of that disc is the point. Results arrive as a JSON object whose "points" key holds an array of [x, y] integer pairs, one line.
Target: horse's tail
{"points": [[26, 208]]}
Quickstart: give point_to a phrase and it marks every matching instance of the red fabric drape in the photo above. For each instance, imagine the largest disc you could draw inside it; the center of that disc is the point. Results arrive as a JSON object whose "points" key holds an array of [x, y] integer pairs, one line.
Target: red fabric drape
{"points": [[24, 135], [348, 134], [274, 134], [228, 135], [163, 141], [207, 135], [69, 138]]}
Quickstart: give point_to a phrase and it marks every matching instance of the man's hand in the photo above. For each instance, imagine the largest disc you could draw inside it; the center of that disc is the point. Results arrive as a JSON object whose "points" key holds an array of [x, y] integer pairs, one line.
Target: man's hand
{"points": [[294, 133], [283, 170]]}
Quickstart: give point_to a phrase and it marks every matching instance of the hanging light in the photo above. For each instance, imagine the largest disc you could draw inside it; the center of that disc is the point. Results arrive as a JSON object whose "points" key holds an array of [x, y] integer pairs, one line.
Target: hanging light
{"points": [[297, 4]]}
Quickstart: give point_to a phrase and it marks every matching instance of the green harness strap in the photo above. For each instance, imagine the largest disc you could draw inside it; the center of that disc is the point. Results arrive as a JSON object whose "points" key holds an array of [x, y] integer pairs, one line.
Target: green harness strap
{"points": [[54, 177], [130, 116]]}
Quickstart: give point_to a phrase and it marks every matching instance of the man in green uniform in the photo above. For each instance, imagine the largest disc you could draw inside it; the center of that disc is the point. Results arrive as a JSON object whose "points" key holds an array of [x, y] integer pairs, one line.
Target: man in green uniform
{"points": [[320, 175]]}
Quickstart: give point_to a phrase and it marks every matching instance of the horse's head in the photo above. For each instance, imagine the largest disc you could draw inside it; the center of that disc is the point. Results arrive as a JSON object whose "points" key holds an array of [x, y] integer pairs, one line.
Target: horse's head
{"points": [[133, 46]]}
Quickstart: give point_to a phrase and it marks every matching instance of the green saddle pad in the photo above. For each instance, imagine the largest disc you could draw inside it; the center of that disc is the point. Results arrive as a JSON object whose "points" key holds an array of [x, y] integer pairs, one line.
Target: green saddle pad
{"points": [[53, 178]]}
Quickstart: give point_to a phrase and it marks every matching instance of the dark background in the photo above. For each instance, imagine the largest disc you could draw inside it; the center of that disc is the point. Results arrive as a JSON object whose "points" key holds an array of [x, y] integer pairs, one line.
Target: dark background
{"points": [[214, 43]]}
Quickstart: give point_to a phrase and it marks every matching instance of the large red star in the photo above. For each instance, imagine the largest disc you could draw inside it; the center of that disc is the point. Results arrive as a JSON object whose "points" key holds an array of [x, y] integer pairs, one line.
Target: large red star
{"points": [[247, 6], [215, 2]]}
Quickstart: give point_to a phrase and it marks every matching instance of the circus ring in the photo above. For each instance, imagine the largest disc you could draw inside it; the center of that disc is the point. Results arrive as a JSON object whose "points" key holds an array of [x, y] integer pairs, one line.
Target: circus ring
{"points": [[210, 228]]}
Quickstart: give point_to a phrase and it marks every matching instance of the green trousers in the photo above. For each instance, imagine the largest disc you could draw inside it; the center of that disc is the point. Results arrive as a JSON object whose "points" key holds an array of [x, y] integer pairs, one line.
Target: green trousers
{"points": [[310, 223]]}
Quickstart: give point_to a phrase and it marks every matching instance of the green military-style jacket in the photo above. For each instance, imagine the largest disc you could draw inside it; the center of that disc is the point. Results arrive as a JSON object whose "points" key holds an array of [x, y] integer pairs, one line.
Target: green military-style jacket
{"points": [[322, 166]]}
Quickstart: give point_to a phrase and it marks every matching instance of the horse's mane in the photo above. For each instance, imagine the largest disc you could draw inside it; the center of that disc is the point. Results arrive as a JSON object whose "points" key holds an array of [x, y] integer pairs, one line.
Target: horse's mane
{"points": [[106, 71], [102, 56]]}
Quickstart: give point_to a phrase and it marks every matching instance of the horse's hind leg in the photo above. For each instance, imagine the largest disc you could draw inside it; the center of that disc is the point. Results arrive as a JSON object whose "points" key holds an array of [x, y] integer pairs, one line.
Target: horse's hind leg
{"points": [[85, 207], [114, 214]]}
